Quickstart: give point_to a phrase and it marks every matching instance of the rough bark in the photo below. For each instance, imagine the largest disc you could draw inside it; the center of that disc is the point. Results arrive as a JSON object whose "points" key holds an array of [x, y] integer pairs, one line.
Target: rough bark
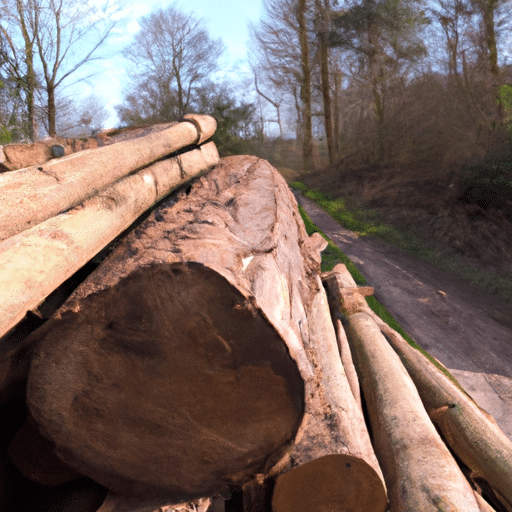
{"points": [[51, 109], [420, 472], [30, 196], [168, 372], [333, 431]]}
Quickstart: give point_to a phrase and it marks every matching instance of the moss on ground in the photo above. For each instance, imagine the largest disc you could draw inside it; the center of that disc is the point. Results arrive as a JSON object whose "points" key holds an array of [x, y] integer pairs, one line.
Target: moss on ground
{"points": [[365, 223]]}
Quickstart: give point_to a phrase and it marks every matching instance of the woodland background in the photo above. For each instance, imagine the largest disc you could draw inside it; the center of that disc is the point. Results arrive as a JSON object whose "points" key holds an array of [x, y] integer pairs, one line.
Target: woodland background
{"points": [[404, 106]]}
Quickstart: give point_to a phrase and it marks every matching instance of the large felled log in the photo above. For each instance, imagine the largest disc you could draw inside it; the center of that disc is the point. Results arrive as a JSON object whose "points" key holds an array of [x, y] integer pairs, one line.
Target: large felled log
{"points": [[168, 373], [29, 196], [471, 433], [34, 262], [180, 367], [420, 472]]}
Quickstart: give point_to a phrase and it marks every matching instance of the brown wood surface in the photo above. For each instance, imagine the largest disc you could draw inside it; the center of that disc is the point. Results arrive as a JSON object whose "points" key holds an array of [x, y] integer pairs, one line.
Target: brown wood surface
{"points": [[177, 368], [471, 432]]}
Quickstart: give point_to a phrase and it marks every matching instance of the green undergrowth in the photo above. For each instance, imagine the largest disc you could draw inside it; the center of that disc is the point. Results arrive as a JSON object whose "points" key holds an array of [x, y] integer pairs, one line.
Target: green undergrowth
{"points": [[366, 223], [333, 255]]}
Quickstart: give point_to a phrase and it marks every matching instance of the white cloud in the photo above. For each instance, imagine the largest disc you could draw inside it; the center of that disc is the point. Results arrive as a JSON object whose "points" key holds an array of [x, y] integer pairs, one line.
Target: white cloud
{"points": [[136, 11], [133, 27]]}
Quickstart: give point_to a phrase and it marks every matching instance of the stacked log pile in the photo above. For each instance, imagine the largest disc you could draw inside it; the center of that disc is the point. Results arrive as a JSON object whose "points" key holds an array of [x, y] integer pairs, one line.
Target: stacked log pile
{"points": [[208, 364], [15, 156]]}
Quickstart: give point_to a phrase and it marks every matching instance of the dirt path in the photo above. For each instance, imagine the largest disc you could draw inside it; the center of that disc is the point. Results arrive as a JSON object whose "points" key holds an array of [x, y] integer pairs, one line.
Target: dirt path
{"points": [[452, 320]]}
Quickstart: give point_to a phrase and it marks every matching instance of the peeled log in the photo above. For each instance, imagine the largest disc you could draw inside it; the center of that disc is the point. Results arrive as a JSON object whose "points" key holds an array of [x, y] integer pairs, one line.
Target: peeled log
{"points": [[334, 281], [35, 262], [471, 432], [420, 472], [177, 369], [30, 196]]}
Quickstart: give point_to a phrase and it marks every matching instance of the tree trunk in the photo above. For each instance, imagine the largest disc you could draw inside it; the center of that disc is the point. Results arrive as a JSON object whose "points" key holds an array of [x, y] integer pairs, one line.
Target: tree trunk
{"points": [[51, 110], [178, 376], [419, 470], [30, 79], [37, 261], [376, 77], [201, 354], [305, 90], [337, 113], [323, 20], [487, 8], [30, 196]]}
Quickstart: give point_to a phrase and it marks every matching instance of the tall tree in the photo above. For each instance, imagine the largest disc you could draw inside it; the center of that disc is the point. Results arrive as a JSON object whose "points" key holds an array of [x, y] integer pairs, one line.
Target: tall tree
{"points": [[18, 50], [489, 10], [65, 35], [275, 104], [323, 14], [454, 17], [276, 53], [172, 56], [382, 34], [305, 87], [282, 51]]}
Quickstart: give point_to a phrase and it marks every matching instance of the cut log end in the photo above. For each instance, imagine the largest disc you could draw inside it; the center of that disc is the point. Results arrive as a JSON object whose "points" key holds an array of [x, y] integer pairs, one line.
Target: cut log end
{"points": [[340, 483], [170, 382]]}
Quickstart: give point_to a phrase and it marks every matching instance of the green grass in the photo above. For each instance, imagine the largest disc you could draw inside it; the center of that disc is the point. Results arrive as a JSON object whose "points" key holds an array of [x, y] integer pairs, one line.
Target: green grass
{"points": [[333, 255], [366, 223]]}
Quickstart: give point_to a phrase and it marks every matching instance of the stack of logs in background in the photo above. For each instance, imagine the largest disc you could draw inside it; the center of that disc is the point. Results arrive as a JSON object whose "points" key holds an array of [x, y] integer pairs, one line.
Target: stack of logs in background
{"points": [[202, 361]]}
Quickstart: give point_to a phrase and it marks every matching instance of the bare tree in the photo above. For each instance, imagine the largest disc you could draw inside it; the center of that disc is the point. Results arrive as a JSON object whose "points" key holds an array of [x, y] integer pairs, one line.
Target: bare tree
{"points": [[454, 17], [275, 104], [172, 55], [77, 117], [282, 54], [65, 35], [489, 10], [17, 52], [305, 87], [323, 14]]}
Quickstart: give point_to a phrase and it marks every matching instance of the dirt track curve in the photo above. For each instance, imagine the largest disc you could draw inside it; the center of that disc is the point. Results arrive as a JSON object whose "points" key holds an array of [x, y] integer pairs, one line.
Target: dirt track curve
{"points": [[465, 329]]}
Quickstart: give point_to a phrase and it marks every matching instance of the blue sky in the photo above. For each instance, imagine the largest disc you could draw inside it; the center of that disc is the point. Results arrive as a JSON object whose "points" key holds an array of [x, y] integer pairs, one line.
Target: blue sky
{"points": [[227, 20]]}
